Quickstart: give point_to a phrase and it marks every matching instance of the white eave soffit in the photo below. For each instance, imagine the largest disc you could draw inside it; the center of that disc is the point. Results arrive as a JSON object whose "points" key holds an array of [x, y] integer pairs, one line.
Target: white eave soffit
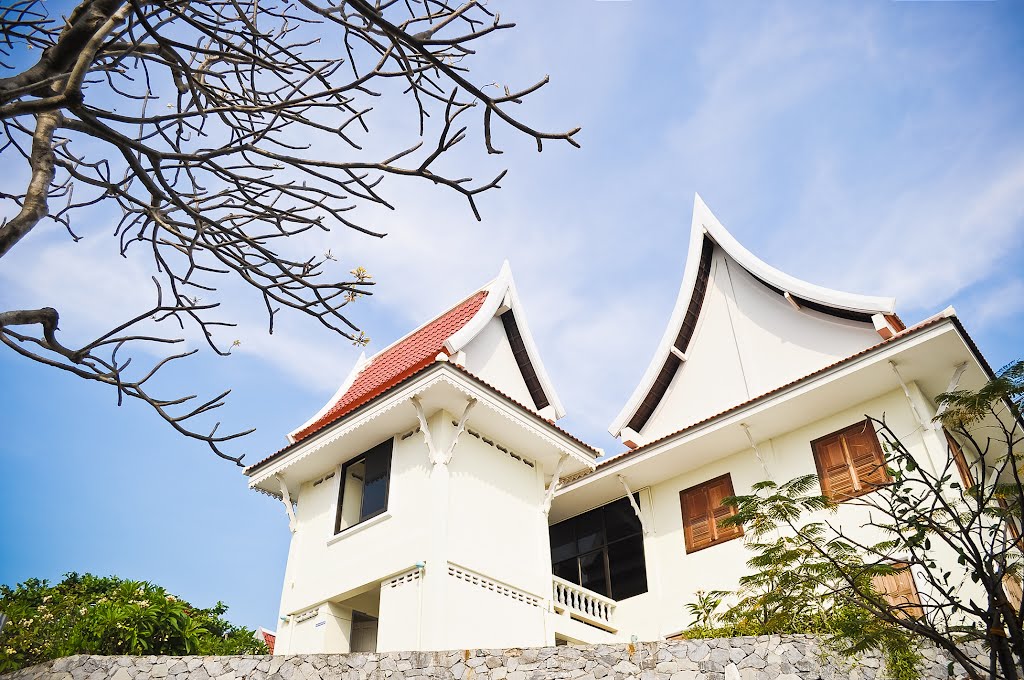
{"points": [[452, 376]]}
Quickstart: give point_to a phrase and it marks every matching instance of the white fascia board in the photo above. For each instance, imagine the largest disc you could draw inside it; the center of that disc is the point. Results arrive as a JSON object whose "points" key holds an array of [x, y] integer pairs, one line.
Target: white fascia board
{"points": [[671, 330], [738, 415], [501, 292], [496, 290], [443, 372], [360, 365], [866, 304], [703, 222]]}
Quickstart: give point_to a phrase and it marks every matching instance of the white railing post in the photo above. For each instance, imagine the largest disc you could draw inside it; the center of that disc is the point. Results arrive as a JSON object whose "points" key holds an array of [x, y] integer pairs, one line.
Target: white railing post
{"points": [[586, 604]]}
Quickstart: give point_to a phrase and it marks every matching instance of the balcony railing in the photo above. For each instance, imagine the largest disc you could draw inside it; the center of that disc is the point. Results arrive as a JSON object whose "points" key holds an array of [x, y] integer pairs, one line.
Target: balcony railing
{"points": [[586, 605]]}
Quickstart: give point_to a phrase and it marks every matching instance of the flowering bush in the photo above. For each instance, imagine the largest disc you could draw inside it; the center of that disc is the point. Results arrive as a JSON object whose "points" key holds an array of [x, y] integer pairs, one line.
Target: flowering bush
{"points": [[86, 614]]}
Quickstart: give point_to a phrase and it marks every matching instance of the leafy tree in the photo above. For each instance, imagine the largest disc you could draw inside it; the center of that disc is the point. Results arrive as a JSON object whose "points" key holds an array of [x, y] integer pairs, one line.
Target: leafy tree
{"points": [[954, 523], [788, 592], [86, 614], [207, 135]]}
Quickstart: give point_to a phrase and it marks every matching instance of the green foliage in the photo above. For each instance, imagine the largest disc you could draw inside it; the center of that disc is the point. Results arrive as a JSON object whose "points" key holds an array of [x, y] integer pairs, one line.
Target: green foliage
{"points": [[86, 614], [792, 592], [812, 576], [703, 609]]}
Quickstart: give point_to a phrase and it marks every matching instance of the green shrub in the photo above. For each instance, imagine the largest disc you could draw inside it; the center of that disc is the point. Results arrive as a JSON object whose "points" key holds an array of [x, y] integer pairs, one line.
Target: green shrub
{"points": [[86, 614]]}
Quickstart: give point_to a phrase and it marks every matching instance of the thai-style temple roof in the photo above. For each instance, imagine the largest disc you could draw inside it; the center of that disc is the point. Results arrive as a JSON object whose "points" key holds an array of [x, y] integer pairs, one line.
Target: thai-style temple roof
{"points": [[449, 333], [739, 328], [390, 366]]}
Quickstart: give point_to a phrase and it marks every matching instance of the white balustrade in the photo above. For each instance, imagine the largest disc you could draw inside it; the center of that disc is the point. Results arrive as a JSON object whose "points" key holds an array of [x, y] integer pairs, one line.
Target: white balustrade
{"points": [[586, 604]]}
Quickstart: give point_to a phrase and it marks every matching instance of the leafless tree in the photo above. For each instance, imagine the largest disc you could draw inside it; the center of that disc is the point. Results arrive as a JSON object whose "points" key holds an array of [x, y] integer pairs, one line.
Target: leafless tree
{"points": [[218, 128]]}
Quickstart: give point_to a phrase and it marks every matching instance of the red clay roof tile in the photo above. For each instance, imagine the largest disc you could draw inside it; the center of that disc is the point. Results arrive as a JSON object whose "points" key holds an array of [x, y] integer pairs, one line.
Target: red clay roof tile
{"points": [[399, 361]]}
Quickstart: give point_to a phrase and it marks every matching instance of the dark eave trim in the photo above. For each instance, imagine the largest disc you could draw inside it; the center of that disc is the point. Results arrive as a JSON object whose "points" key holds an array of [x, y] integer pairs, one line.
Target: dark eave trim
{"points": [[529, 373], [682, 341]]}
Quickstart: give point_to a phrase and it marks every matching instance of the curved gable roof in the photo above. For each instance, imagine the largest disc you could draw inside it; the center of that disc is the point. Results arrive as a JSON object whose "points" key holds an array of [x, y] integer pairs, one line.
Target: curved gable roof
{"points": [[448, 333], [706, 234]]}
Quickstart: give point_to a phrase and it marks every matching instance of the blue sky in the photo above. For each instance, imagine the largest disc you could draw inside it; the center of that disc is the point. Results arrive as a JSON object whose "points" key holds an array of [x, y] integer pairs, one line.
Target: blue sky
{"points": [[877, 148]]}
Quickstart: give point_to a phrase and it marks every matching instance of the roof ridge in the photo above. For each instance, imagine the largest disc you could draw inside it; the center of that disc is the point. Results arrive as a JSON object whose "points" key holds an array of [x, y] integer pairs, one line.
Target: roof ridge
{"points": [[481, 289]]}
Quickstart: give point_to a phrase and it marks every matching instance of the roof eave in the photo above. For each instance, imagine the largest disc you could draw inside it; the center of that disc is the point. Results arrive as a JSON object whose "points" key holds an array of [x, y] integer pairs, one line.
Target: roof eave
{"points": [[703, 222], [501, 292], [270, 466], [934, 324]]}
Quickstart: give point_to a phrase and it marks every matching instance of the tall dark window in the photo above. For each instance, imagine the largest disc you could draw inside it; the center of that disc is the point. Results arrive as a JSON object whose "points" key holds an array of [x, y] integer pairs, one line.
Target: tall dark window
{"points": [[602, 550], [364, 485]]}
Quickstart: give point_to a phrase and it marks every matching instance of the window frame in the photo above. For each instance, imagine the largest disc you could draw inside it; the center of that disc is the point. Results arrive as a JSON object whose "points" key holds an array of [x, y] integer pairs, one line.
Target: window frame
{"points": [[864, 487], [341, 485], [718, 540], [604, 549]]}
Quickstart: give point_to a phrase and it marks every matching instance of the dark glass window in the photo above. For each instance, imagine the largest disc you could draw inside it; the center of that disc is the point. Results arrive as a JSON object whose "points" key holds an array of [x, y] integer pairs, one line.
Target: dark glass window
{"points": [[602, 550], [364, 486]]}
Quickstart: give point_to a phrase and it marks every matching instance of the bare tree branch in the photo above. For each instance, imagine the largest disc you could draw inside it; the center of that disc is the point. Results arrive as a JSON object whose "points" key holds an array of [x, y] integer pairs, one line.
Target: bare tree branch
{"points": [[225, 128]]}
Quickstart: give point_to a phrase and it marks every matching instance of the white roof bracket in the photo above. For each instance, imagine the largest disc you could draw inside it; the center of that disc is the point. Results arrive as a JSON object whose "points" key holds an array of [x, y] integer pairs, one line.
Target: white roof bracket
{"points": [[757, 451], [287, 500], [636, 506], [549, 493]]}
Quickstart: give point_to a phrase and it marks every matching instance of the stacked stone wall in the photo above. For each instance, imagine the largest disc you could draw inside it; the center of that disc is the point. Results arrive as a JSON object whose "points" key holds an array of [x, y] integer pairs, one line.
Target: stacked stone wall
{"points": [[790, 657]]}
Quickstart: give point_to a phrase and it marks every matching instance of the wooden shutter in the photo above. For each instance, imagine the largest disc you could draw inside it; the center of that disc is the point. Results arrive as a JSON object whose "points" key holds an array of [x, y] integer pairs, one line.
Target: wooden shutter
{"points": [[702, 511], [850, 462], [866, 457], [697, 529], [899, 590], [833, 469], [1012, 588], [960, 460], [718, 490]]}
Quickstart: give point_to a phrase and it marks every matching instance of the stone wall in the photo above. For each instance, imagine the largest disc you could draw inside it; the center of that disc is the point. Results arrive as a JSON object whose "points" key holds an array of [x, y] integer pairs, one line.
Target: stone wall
{"points": [[789, 657]]}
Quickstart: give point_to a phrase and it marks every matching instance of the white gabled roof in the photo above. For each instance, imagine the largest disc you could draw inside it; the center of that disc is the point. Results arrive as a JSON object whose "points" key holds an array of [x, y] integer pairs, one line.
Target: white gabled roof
{"points": [[704, 225], [449, 332], [502, 295]]}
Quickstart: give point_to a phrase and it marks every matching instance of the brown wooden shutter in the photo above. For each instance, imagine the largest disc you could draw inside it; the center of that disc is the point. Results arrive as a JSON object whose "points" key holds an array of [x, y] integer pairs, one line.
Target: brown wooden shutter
{"points": [[899, 589], [1012, 588], [833, 470], [719, 490], [697, 529], [960, 460], [702, 510], [866, 456], [850, 462]]}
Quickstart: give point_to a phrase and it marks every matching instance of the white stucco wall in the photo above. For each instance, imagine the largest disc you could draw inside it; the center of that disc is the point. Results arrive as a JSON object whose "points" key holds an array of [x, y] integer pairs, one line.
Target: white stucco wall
{"points": [[679, 575], [495, 522], [748, 340], [481, 614], [400, 607], [322, 567], [489, 356], [490, 522]]}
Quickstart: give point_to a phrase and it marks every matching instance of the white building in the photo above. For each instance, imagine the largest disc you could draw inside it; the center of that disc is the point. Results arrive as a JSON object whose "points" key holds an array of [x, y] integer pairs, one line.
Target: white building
{"points": [[435, 504]]}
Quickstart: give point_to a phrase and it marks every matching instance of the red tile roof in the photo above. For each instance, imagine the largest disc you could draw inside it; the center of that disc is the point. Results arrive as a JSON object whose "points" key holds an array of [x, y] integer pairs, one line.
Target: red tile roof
{"points": [[399, 361], [269, 638]]}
